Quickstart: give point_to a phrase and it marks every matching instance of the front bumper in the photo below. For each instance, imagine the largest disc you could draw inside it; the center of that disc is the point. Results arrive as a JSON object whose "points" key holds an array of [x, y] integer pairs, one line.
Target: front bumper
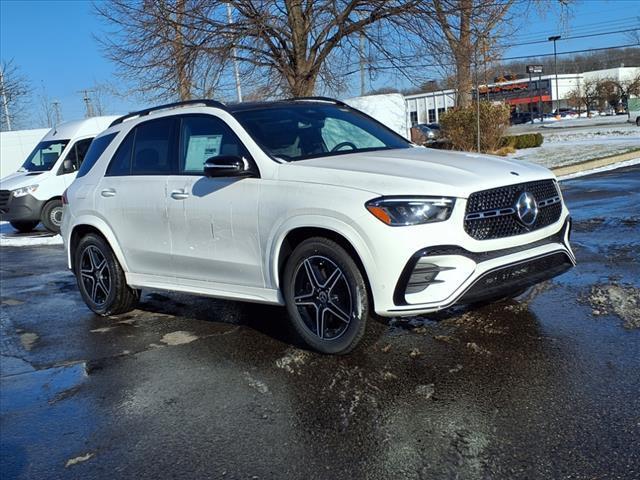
{"points": [[441, 276], [25, 208]]}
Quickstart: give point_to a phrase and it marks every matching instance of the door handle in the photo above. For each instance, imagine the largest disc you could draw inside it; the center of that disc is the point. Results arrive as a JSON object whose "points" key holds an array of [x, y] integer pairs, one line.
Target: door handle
{"points": [[108, 192], [179, 195]]}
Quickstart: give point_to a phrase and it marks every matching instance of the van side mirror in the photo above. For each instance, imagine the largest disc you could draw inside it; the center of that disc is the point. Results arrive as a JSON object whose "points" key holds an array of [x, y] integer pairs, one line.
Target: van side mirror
{"points": [[67, 166], [225, 166]]}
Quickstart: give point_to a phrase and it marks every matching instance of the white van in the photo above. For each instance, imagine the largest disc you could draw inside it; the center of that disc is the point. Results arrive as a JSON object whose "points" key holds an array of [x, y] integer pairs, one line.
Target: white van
{"points": [[33, 194]]}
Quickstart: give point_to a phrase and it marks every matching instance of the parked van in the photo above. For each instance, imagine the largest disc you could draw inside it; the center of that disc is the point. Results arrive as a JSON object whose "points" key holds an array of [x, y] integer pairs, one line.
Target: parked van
{"points": [[33, 194]]}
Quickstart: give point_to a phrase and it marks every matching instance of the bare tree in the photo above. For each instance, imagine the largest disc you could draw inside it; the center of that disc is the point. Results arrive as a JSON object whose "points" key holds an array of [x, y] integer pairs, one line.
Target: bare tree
{"points": [[14, 92], [47, 111], [157, 47], [470, 33], [586, 94]]}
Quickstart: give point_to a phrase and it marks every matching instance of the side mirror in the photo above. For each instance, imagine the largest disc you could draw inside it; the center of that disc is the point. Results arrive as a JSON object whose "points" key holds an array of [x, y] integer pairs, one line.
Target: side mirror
{"points": [[67, 166], [225, 166]]}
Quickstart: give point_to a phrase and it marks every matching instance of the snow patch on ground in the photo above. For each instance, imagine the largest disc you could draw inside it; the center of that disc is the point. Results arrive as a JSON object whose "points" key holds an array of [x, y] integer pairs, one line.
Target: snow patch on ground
{"points": [[568, 146], [11, 238], [623, 301]]}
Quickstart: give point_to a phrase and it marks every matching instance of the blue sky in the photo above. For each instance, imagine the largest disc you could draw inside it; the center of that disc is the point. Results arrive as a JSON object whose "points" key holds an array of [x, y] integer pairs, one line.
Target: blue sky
{"points": [[53, 43]]}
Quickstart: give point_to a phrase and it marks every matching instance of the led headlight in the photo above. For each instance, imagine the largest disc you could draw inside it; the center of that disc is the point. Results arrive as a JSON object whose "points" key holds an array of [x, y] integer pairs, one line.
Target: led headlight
{"points": [[398, 211], [21, 192]]}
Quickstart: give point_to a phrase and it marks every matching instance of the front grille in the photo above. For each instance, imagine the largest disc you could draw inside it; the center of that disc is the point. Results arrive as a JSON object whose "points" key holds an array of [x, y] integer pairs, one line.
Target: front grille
{"points": [[491, 213], [4, 197]]}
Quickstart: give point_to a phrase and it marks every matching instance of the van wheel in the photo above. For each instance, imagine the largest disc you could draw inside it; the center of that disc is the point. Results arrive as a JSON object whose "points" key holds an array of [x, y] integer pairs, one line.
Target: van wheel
{"points": [[326, 296], [24, 226], [52, 216], [101, 279], [638, 121]]}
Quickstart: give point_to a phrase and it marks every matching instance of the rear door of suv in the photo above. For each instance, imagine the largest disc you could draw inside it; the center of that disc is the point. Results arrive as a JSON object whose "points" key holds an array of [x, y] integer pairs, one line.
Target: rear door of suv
{"points": [[132, 195]]}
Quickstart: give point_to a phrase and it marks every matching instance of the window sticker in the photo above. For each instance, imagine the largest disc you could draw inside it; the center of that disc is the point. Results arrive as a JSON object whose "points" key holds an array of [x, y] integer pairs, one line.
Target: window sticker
{"points": [[200, 149]]}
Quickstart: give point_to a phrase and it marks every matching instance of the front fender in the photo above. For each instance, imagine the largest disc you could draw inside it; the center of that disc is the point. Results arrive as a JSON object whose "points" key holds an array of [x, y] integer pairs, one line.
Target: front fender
{"points": [[337, 225]]}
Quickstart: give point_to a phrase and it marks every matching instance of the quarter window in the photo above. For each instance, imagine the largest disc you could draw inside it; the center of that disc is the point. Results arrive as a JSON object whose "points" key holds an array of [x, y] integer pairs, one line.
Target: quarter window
{"points": [[96, 149], [121, 162], [203, 137]]}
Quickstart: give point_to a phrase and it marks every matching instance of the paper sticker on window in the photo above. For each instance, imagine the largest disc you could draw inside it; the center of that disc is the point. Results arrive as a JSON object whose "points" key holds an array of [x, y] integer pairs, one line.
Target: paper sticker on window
{"points": [[200, 149]]}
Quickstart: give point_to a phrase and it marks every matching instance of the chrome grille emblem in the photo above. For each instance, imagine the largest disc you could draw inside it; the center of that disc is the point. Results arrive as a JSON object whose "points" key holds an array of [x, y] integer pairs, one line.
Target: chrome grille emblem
{"points": [[527, 209]]}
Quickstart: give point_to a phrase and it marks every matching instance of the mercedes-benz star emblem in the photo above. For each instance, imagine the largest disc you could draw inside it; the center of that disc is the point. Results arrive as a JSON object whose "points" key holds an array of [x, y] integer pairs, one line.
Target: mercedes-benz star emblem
{"points": [[527, 209]]}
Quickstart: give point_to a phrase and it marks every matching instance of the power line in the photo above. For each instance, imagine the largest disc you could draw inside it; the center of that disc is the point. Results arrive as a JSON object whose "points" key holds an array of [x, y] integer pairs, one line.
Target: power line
{"points": [[571, 38], [521, 57]]}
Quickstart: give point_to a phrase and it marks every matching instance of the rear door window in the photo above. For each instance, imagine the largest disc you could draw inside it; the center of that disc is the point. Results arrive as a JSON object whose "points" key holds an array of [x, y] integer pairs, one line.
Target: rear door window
{"points": [[153, 148]]}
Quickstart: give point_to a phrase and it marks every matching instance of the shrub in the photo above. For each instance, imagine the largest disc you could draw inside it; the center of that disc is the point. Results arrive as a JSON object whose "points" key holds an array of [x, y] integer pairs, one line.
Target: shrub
{"points": [[526, 140], [459, 126]]}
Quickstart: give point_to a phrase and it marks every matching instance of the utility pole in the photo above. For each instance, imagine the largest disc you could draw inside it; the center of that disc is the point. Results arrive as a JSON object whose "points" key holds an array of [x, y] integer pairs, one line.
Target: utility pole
{"points": [[362, 62], [88, 104], [477, 99], [554, 39], [236, 72], [5, 103]]}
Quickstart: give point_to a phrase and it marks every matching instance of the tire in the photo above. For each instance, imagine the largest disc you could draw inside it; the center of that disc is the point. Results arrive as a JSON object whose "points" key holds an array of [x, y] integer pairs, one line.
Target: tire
{"points": [[638, 121], [100, 278], [24, 226], [325, 292], [52, 216]]}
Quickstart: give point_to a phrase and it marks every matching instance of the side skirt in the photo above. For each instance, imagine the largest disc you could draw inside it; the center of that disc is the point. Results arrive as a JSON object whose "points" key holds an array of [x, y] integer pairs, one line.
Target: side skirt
{"points": [[208, 289]]}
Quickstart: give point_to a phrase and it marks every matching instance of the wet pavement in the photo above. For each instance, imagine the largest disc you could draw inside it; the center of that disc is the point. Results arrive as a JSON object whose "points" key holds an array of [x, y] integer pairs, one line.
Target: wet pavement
{"points": [[545, 387]]}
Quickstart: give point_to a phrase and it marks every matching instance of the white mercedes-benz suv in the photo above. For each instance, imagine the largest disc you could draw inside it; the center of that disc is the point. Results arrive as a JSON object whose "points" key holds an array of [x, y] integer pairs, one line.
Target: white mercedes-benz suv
{"points": [[306, 203]]}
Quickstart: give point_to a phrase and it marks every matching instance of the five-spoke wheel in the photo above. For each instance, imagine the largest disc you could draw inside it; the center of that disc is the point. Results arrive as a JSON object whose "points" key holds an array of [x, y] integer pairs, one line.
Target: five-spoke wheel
{"points": [[100, 277], [326, 296], [323, 297], [94, 274]]}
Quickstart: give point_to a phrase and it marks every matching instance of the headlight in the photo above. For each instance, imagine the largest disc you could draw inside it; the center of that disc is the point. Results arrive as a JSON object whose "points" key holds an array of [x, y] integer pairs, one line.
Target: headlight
{"points": [[21, 192], [400, 211]]}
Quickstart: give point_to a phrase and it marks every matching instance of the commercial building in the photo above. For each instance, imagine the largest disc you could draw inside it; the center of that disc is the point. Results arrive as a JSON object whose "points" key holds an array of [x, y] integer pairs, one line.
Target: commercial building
{"points": [[539, 94]]}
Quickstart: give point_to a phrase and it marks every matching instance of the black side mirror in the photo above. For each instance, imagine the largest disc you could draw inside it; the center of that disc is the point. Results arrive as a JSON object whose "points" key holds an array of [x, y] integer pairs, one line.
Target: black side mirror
{"points": [[225, 166], [67, 166]]}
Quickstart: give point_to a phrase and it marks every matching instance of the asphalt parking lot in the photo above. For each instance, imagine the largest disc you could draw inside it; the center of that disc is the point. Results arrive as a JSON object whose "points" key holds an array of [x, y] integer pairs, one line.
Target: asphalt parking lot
{"points": [[545, 387]]}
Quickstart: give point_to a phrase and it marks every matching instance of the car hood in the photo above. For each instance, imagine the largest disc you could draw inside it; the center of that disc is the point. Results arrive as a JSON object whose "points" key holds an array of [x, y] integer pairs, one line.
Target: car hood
{"points": [[414, 171], [21, 179]]}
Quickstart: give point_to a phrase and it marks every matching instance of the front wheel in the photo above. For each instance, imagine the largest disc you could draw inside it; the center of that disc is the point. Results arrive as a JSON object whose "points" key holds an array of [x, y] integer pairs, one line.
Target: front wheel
{"points": [[326, 296], [638, 121], [101, 279], [52, 216], [24, 226]]}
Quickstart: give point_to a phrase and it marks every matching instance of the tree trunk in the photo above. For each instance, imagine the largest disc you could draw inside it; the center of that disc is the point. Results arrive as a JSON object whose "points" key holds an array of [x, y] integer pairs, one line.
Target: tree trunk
{"points": [[463, 55], [182, 77]]}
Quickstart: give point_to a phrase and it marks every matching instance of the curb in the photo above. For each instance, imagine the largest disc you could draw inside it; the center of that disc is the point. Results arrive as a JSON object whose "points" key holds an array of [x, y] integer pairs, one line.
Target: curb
{"points": [[596, 163]]}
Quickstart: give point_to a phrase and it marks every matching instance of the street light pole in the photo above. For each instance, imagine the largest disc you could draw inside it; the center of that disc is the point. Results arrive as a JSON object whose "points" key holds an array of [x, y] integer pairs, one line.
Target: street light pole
{"points": [[554, 39]]}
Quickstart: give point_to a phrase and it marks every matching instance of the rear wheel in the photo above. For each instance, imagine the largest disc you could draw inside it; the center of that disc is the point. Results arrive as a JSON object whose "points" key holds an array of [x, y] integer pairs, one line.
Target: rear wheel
{"points": [[326, 296], [638, 121], [24, 226], [101, 279], [52, 216]]}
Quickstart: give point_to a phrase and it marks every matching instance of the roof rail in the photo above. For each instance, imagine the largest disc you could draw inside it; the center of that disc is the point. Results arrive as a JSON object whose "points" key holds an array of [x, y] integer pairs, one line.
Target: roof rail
{"points": [[147, 111], [320, 99]]}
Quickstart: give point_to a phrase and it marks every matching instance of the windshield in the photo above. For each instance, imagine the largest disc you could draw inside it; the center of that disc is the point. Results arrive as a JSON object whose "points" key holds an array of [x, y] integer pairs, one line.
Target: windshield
{"points": [[298, 132], [44, 156]]}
